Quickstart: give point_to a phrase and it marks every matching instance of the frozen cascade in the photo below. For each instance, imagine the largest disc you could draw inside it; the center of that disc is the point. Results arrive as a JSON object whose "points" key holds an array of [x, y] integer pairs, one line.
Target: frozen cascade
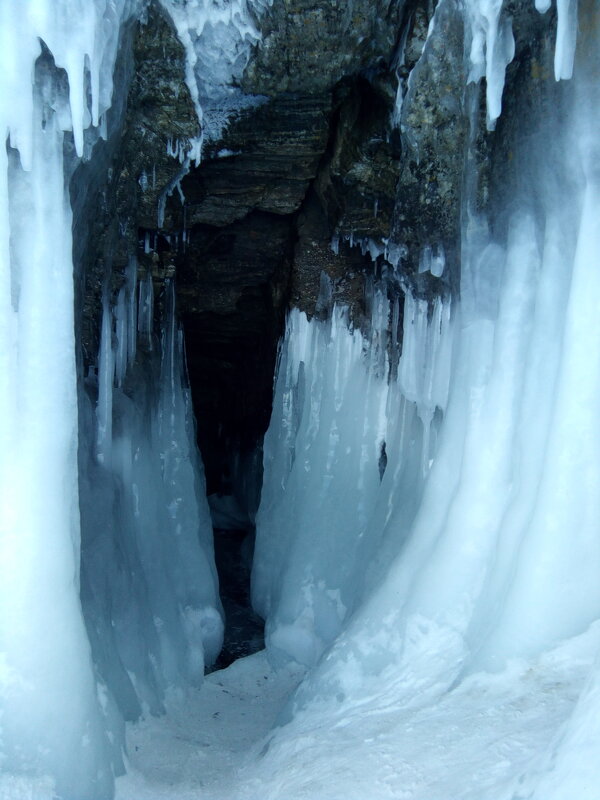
{"points": [[60, 725], [46, 677], [468, 540], [344, 446], [500, 559], [150, 589]]}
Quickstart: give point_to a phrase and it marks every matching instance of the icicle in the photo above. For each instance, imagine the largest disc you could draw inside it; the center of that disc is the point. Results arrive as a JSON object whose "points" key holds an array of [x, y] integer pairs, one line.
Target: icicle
{"points": [[121, 337], [146, 311], [332, 420], [132, 327], [566, 38], [492, 50], [106, 371]]}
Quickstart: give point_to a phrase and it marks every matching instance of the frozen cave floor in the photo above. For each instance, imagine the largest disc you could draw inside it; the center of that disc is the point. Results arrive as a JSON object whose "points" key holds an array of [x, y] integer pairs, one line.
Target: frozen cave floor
{"points": [[244, 629], [484, 740], [199, 748]]}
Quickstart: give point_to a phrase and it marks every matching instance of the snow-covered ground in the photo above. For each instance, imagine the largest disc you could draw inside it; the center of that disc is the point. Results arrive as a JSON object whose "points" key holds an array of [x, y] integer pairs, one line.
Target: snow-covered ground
{"points": [[484, 740], [199, 747]]}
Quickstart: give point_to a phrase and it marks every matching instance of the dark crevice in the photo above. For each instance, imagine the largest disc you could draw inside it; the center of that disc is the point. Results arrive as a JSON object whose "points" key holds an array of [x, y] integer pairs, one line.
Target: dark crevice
{"points": [[244, 630]]}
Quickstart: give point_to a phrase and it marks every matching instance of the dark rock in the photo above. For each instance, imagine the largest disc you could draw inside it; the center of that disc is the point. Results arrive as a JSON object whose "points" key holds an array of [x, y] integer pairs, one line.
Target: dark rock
{"points": [[357, 181], [112, 202], [232, 291], [434, 131], [244, 630], [309, 46], [266, 161]]}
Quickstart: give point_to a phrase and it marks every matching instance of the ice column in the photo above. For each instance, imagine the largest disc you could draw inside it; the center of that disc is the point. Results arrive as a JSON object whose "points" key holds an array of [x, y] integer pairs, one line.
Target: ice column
{"points": [[52, 725], [344, 445], [150, 595]]}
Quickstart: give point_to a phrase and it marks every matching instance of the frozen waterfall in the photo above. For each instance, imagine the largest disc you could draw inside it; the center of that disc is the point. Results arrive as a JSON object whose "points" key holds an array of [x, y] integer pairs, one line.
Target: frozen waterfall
{"points": [[147, 585], [485, 548], [430, 515]]}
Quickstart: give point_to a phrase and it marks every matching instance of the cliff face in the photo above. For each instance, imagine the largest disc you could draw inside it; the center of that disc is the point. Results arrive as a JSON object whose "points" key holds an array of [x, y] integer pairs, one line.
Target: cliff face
{"points": [[350, 142]]}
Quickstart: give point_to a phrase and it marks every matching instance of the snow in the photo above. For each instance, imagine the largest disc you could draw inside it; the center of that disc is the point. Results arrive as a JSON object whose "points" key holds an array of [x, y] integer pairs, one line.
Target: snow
{"points": [[206, 734], [483, 741]]}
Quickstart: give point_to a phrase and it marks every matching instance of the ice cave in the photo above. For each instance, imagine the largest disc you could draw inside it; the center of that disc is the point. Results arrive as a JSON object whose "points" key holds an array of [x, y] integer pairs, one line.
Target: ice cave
{"points": [[300, 400]]}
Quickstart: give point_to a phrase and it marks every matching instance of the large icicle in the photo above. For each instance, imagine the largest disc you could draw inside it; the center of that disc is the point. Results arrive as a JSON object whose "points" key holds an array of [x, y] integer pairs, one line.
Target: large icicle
{"points": [[53, 727], [341, 437], [150, 595]]}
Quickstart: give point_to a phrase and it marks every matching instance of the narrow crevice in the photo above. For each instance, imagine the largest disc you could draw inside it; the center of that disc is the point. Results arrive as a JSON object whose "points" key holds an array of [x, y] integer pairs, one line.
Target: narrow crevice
{"points": [[244, 629]]}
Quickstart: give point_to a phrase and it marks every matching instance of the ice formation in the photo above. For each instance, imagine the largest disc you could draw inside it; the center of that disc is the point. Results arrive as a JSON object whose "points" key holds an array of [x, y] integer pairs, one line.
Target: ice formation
{"points": [[149, 586], [218, 38], [350, 434], [142, 500], [500, 559], [46, 680]]}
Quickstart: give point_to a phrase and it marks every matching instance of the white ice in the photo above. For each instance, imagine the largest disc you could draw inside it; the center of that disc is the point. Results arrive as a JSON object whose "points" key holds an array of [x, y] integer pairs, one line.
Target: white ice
{"points": [[47, 683], [61, 725], [500, 559], [150, 589], [337, 421]]}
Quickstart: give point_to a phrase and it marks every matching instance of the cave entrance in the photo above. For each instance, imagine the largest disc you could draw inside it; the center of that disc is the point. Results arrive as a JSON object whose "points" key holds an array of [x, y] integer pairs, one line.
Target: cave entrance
{"points": [[232, 289]]}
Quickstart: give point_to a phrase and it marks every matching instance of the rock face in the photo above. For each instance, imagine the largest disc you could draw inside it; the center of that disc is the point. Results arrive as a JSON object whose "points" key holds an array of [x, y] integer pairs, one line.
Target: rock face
{"points": [[352, 142], [309, 46], [435, 127], [313, 158], [151, 125]]}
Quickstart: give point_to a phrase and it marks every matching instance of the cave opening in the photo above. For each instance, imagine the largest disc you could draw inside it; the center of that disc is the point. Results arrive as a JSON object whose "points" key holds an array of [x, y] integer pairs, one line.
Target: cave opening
{"points": [[267, 215], [232, 291]]}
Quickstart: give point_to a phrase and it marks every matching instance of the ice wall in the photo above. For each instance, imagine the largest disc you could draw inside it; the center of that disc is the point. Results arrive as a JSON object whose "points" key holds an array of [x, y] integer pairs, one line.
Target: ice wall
{"points": [[149, 585], [52, 724], [350, 439], [501, 557], [147, 581]]}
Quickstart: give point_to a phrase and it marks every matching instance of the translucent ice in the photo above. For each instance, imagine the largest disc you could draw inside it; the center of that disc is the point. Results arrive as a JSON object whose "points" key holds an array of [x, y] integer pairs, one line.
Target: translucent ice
{"points": [[59, 727], [328, 483], [150, 598], [500, 561]]}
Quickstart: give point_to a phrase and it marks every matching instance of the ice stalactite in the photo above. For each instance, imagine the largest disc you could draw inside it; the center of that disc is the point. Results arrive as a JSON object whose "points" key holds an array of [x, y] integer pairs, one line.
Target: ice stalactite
{"points": [[47, 683], [150, 589], [343, 442]]}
